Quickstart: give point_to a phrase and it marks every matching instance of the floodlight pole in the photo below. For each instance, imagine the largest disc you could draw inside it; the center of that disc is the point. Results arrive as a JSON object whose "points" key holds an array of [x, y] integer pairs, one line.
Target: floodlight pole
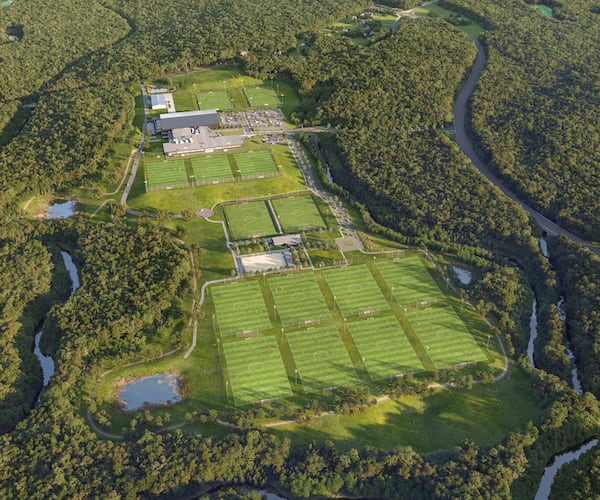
{"points": [[296, 372], [488, 342]]}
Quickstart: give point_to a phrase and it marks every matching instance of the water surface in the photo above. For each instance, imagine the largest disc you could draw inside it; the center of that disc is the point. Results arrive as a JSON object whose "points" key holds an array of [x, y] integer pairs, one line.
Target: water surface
{"points": [[155, 390], [61, 210], [464, 275]]}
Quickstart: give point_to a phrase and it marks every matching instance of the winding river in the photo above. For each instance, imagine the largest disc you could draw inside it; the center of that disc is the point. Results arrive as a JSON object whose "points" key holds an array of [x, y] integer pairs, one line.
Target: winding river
{"points": [[46, 361]]}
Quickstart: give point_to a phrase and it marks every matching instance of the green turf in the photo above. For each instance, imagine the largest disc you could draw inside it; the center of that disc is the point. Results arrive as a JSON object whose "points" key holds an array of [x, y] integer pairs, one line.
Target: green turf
{"points": [[255, 370], [321, 358], [355, 290], [298, 298], [211, 168], [445, 336], [472, 29], [485, 414], [255, 164], [544, 9], [263, 97], [167, 174], [214, 100], [384, 347], [410, 279], [239, 308], [298, 213], [249, 220]]}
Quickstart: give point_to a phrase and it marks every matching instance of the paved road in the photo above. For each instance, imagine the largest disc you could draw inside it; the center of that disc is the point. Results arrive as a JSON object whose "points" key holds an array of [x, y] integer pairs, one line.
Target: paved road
{"points": [[460, 108]]}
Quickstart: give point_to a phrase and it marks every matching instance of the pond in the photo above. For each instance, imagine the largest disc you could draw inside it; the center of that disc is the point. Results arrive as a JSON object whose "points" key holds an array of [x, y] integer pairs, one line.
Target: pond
{"points": [[155, 390], [61, 210], [464, 275]]}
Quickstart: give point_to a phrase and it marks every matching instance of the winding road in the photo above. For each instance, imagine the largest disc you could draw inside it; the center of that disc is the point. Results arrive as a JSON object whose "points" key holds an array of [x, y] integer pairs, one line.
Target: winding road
{"points": [[460, 109]]}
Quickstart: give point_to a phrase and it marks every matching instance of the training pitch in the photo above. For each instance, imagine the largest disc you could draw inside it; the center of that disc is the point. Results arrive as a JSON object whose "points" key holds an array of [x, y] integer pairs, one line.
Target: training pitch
{"points": [[214, 100], [262, 97], [298, 213], [211, 169], [255, 164], [166, 174], [249, 220]]}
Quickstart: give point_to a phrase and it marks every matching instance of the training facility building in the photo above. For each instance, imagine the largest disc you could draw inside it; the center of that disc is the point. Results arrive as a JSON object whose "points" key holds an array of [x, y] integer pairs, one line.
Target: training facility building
{"points": [[187, 141], [187, 119]]}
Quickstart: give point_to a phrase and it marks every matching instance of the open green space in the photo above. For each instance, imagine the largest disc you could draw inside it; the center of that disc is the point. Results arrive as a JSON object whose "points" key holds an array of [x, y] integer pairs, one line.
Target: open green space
{"points": [[219, 100], [255, 370], [298, 298], [409, 280], [445, 337], [544, 9], [263, 97], [469, 26], [298, 213], [321, 358], [355, 290], [254, 164], [249, 220], [211, 168], [485, 414], [166, 174], [239, 308], [384, 348]]}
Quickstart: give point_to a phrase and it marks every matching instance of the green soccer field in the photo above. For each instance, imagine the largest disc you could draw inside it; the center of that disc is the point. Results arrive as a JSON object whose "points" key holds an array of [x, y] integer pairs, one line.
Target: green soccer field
{"points": [[211, 168], [214, 100], [262, 97], [298, 298], [355, 290], [298, 213], [239, 307], [255, 370], [410, 280], [445, 336], [321, 358], [167, 174], [255, 164], [249, 220], [384, 347]]}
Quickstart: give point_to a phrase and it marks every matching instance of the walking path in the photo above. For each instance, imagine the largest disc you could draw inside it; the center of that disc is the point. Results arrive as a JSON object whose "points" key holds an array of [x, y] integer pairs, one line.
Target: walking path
{"points": [[460, 110]]}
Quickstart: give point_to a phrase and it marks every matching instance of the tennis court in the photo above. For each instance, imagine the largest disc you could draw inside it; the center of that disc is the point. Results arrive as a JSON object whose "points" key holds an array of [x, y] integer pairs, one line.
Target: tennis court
{"points": [[355, 290], [256, 371], [298, 213], [249, 220], [410, 280], [211, 169], [298, 298], [384, 347], [321, 358], [262, 97], [166, 174], [214, 100], [255, 164], [239, 308], [445, 337]]}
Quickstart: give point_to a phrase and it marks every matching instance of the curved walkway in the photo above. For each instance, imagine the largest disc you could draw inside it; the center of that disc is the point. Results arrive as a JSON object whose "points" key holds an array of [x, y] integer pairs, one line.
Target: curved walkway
{"points": [[460, 110]]}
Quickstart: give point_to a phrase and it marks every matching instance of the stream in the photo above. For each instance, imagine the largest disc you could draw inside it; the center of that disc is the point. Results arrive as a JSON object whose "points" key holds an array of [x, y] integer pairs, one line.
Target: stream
{"points": [[46, 361], [543, 492]]}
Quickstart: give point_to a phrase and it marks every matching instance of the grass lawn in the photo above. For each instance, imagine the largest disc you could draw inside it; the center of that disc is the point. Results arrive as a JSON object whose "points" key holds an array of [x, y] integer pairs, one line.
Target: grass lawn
{"points": [[355, 290], [485, 414], [410, 280], [219, 100], [211, 168], [321, 358], [239, 307], [445, 336], [255, 370], [249, 220], [209, 195], [297, 213], [298, 298], [472, 29], [166, 174], [384, 347], [254, 164], [544, 9], [387, 21]]}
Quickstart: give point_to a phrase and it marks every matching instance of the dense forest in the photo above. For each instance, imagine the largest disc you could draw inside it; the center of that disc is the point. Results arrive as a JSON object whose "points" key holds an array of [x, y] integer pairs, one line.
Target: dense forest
{"points": [[536, 110], [390, 103]]}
